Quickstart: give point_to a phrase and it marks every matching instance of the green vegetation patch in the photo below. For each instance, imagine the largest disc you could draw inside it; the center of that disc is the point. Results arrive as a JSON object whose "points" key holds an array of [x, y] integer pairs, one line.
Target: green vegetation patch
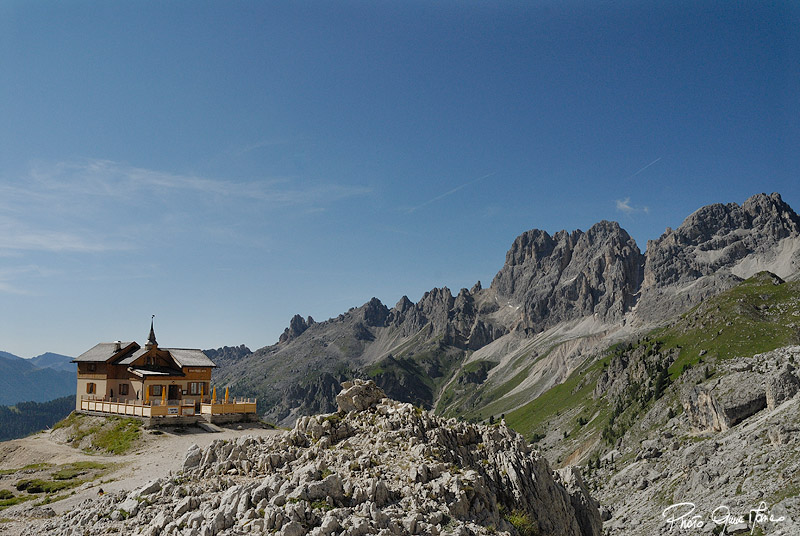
{"points": [[115, 435], [522, 522], [49, 499], [76, 469], [37, 485], [71, 420], [570, 395], [416, 376], [321, 505], [118, 438], [63, 478], [5, 503], [792, 490], [759, 315], [27, 468]]}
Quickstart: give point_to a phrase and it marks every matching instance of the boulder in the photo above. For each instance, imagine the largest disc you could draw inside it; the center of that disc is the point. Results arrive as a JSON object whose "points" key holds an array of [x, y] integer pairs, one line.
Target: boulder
{"points": [[193, 457], [781, 387], [148, 489], [359, 395]]}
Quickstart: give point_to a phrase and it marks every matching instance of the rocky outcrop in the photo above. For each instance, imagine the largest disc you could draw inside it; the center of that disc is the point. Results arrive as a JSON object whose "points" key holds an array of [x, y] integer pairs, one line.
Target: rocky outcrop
{"points": [[297, 326], [782, 386], [228, 355], [571, 275], [747, 386], [390, 469], [666, 458], [359, 395], [456, 319], [725, 402], [585, 507]]}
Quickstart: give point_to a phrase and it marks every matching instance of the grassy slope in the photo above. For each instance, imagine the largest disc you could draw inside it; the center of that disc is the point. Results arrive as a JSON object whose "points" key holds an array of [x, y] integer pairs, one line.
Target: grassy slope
{"points": [[754, 317], [114, 435]]}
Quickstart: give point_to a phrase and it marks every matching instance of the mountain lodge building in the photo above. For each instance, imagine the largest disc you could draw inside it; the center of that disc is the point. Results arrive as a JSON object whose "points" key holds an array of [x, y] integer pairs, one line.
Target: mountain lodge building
{"points": [[124, 378]]}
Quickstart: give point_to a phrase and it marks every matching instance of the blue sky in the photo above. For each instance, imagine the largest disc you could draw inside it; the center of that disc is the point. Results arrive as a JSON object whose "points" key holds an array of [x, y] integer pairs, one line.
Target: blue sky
{"points": [[225, 165]]}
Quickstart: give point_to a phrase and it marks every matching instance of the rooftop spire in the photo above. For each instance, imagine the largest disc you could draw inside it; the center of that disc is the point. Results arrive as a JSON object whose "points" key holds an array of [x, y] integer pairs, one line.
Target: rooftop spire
{"points": [[151, 340]]}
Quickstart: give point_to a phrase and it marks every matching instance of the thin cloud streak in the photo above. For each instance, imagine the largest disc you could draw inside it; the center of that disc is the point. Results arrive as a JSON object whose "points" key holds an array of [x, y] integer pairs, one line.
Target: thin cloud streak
{"points": [[106, 178], [9, 274], [645, 167], [57, 207], [5, 288], [451, 192], [16, 235]]}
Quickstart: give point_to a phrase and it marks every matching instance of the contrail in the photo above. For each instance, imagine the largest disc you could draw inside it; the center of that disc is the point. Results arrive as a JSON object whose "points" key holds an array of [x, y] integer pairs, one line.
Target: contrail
{"points": [[451, 192], [645, 167]]}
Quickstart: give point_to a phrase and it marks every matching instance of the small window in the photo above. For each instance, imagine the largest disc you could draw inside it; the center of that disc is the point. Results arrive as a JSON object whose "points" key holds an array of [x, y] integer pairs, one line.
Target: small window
{"points": [[156, 390], [123, 389], [196, 388], [92, 367], [91, 388]]}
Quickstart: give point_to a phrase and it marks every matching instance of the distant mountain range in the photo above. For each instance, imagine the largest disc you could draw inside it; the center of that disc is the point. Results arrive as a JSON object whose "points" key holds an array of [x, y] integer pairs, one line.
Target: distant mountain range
{"points": [[557, 301], [40, 379], [54, 361]]}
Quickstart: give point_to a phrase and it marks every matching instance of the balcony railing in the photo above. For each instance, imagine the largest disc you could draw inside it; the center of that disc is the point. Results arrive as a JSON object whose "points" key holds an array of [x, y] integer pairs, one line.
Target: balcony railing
{"points": [[172, 408]]}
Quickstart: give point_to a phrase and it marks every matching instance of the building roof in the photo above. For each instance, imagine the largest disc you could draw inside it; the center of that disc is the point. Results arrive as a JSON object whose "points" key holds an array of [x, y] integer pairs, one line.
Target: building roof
{"points": [[101, 352], [188, 357], [130, 358], [183, 357], [104, 351]]}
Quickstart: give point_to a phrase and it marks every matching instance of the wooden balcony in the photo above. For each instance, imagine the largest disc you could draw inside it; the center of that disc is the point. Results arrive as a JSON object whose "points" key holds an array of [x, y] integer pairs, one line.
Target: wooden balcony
{"points": [[234, 405], [172, 408]]}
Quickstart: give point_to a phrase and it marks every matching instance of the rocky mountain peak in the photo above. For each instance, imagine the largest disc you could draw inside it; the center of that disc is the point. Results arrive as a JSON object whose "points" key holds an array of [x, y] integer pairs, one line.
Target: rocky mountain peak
{"points": [[404, 304], [297, 326], [717, 246], [571, 275], [709, 225], [374, 313]]}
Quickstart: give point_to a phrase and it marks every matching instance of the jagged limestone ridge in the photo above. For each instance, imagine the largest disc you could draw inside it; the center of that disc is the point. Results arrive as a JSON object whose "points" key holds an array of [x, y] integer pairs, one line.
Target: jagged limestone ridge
{"points": [[388, 469]]}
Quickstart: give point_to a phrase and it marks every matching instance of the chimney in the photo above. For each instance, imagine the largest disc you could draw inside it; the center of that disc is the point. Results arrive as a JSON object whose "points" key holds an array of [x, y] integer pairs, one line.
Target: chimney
{"points": [[117, 346]]}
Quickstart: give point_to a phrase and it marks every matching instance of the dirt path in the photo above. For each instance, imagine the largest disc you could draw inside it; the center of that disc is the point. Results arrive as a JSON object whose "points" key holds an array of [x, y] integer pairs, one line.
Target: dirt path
{"points": [[157, 455]]}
